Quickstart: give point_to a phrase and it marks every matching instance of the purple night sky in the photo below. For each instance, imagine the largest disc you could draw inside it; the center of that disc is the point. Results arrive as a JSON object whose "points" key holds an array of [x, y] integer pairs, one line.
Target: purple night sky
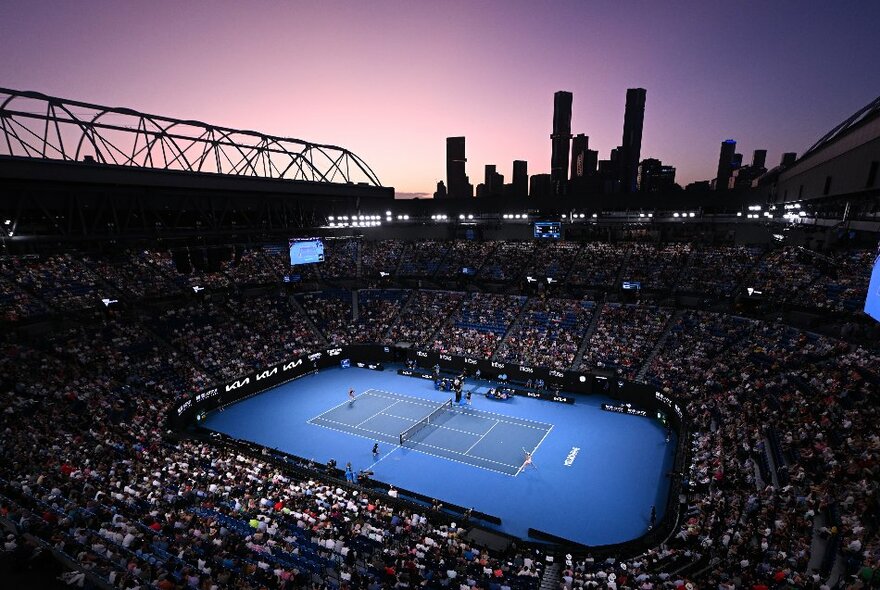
{"points": [[391, 80]]}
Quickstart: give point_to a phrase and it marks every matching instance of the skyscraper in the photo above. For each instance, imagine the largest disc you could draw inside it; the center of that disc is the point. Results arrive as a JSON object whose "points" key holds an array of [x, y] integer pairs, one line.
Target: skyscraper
{"points": [[456, 178], [493, 184], [655, 177], [759, 158], [561, 138], [725, 164], [744, 176], [540, 186], [591, 160], [583, 166], [609, 172], [579, 147], [631, 146], [520, 178]]}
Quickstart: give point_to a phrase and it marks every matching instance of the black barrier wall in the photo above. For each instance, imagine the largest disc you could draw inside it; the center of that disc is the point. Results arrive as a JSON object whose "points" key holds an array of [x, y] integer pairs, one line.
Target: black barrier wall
{"points": [[643, 396], [544, 395], [373, 356], [364, 356]]}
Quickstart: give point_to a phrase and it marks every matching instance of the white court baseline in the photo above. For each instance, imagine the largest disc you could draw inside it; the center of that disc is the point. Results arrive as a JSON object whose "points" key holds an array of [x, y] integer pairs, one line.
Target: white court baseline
{"points": [[482, 439]]}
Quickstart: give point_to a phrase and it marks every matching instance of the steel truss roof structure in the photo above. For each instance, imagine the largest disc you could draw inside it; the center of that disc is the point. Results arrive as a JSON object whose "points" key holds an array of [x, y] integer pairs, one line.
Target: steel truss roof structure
{"points": [[33, 125]]}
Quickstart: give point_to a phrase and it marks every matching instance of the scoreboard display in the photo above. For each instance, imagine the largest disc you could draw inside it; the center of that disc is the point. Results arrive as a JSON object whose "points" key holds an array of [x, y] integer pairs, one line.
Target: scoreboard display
{"points": [[548, 230], [307, 251]]}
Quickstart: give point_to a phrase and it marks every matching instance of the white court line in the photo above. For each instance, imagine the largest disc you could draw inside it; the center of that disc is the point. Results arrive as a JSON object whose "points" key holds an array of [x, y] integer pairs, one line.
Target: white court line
{"points": [[481, 438], [462, 454], [542, 440], [467, 463], [420, 402], [383, 457], [350, 426], [398, 396], [437, 425], [542, 425], [535, 449], [413, 442], [473, 411], [337, 406], [358, 425], [422, 452], [477, 410]]}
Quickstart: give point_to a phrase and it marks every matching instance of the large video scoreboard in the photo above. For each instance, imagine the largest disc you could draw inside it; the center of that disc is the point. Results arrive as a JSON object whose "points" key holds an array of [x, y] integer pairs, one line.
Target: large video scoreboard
{"points": [[306, 251], [548, 230]]}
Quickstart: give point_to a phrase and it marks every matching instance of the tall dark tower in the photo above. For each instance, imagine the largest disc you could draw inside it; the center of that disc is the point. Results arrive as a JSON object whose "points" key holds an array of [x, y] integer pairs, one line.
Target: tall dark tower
{"points": [[561, 138], [631, 146], [579, 147], [725, 164], [759, 158], [520, 178], [456, 178], [489, 179], [493, 184]]}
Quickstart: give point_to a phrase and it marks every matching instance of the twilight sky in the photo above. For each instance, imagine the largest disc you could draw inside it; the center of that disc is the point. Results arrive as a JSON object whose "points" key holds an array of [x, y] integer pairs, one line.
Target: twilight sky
{"points": [[390, 80]]}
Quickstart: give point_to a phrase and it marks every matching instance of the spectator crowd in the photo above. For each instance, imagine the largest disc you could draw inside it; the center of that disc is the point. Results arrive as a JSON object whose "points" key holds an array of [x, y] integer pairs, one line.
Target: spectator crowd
{"points": [[781, 487], [479, 325], [549, 334]]}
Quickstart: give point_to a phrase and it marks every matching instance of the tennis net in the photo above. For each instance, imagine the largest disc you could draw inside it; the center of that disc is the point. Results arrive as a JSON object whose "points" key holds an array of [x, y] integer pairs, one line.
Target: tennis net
{"points": [[429, 419]]}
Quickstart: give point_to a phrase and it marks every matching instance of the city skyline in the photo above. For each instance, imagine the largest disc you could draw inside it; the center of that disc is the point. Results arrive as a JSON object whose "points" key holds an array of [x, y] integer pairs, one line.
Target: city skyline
{"points": [[392, 81]]}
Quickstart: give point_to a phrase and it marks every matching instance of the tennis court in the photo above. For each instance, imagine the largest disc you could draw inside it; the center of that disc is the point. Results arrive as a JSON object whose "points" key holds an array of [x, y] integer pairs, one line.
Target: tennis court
{"points": [[463, 434], [597, 473]]}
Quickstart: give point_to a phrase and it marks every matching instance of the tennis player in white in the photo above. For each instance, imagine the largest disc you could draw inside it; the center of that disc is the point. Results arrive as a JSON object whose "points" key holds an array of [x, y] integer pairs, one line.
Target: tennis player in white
{"points": [[528, 460]]}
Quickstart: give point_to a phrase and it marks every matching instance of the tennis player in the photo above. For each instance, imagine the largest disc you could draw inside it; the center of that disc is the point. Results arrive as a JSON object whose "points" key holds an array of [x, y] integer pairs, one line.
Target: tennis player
{"points": [[528, 460], [350, 396]]}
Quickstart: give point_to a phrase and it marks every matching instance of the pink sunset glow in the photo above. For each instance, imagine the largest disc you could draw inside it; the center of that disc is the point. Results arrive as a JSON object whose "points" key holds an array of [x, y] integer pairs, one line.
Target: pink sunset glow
{"points": [[391, 80]]}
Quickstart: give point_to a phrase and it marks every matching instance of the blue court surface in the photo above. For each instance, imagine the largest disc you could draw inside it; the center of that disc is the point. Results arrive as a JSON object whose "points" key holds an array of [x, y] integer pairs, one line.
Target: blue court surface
{"points": [[461, 433], [594, 474]]}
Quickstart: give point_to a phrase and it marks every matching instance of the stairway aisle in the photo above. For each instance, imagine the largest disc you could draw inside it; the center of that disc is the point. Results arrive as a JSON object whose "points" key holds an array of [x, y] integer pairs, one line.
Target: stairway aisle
{"points": [[510, 329], [673, 320], [551, 577], [309, 321], [589, 334], [403, 308]]}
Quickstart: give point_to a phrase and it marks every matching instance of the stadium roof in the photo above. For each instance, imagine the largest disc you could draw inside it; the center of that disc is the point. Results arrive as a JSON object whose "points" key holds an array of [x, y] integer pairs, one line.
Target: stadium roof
{"points": [[36, 126], [861, 117]]}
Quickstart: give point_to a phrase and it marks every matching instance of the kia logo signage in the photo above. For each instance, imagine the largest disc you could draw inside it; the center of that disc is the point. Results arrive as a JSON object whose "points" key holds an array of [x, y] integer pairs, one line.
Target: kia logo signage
{"points": [[236, 384]]}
